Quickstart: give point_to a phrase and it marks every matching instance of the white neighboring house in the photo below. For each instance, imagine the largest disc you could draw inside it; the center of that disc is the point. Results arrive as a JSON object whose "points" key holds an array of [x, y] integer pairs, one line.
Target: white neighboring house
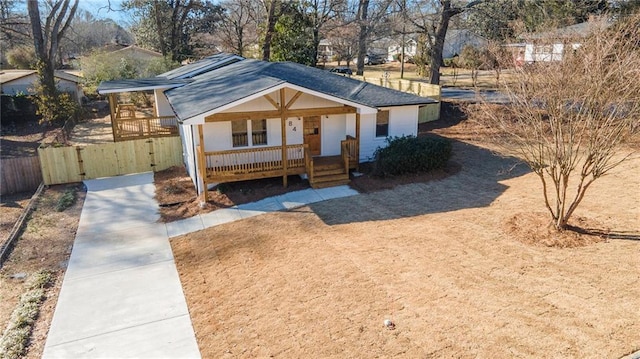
{"points": [[454, 42], [551, 45], [14, 82], [246, 119]]}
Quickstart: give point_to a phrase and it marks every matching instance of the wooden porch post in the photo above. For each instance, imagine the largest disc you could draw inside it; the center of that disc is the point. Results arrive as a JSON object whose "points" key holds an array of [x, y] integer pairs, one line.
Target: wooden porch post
{"points": [[112, 112], [202, 163], [358, 142], [283, 121]]}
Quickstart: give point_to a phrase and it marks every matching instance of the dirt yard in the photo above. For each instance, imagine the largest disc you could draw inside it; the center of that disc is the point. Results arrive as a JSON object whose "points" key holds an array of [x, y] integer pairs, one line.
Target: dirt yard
{"points": [[45, 244], [438, 259]]}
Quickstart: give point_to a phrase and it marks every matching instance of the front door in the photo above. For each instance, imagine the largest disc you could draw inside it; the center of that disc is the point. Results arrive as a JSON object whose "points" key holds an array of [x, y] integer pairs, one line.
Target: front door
{"points": [[311, 131]]}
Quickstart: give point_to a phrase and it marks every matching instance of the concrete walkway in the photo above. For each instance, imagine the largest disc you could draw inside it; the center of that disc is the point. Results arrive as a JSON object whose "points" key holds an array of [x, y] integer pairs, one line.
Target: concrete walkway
{"points": [[121, 296]]}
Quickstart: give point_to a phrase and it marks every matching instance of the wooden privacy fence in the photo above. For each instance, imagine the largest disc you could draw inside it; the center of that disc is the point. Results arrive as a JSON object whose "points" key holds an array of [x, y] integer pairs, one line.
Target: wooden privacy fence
{"points": [[20, 174], [76, 163], [427, 113]]}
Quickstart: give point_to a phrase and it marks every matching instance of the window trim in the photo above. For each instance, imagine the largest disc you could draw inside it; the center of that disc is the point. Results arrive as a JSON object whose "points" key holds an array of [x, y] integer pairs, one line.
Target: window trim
{"points": [[249, 134]]}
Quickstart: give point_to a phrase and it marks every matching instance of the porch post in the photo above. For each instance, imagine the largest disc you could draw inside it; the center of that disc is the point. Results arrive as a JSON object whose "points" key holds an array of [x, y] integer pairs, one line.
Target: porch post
{"points": [[357, 141], [112, 112], [202, 163], [283, 122]]}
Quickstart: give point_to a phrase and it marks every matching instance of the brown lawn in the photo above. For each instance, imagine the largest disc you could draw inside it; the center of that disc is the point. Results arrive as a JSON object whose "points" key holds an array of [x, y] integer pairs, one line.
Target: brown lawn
{"points": [[440, 259]]}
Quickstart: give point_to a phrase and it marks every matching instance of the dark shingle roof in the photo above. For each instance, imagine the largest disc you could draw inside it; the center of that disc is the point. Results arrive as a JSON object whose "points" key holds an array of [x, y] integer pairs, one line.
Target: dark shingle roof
{"points": [[201, 66], [239, 80], [140, 84]]}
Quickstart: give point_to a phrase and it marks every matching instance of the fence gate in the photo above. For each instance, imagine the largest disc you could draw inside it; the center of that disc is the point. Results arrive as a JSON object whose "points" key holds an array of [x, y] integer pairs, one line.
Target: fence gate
{"points": [[76, 163]]}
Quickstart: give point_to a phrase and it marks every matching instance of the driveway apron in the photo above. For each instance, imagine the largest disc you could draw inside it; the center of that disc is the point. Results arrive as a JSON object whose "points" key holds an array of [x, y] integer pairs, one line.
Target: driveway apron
{"points": [[121, 296]]}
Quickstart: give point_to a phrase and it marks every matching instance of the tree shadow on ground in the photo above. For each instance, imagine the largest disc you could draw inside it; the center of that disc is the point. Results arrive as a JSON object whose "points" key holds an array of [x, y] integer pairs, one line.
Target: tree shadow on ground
{"points": [[476, 185]]}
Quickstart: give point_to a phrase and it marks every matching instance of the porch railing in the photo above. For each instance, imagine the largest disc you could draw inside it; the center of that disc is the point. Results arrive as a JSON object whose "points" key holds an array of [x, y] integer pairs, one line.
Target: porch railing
{"points": [[130, 128], [350, 146], [253, 163]]}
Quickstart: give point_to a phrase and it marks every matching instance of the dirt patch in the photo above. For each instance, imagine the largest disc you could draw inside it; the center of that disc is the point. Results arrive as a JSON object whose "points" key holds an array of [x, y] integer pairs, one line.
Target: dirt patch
{"points": [[45, 243], [177, 197], [11, 207], [537, 229], [432, 258], [367, 182]]}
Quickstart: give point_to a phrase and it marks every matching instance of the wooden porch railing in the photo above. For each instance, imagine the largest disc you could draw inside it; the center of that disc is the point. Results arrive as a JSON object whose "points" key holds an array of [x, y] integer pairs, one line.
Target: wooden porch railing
{"points": [[352, 149], [134, 128], [308, 160], [261, 162]]}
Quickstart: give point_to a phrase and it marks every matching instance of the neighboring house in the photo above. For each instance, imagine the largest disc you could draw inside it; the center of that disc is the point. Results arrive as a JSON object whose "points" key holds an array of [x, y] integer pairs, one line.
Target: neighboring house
{"points": [[245, 119], [395, 49], [325, 50], [14, 82], [137, 53], [551, 45], [454, 42]]}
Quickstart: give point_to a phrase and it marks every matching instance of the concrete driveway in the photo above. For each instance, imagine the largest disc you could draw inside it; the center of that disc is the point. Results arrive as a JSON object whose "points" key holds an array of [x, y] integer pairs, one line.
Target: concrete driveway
{"points": [[121, 296]]}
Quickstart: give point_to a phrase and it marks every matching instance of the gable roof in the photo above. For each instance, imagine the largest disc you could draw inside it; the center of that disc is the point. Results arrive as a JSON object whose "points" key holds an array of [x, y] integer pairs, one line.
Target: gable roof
{"points": [[136, 49], [581, 30], [129, 85], [7, 76], [201, 66], [217, 88]]}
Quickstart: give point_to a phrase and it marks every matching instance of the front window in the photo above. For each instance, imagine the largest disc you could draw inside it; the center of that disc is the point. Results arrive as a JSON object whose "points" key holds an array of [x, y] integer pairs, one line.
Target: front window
{"points": [[259, 132], [239, 133], [382, 124]]}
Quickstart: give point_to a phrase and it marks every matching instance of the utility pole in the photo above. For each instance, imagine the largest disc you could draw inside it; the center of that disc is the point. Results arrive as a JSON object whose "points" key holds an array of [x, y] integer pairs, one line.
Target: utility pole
{"points": [[404, 22]]}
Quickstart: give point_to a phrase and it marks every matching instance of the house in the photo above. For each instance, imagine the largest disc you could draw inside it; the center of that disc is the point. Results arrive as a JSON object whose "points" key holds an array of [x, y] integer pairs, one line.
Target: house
{"points": [[244, 119], [454, 42], [14, 82], [551, 45], [325, 50]]}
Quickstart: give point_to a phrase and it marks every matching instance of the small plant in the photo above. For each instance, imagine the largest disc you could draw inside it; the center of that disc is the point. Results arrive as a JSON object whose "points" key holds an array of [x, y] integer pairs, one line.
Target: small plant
{"points": [[16, 336], [410, 154], [67, 200]]}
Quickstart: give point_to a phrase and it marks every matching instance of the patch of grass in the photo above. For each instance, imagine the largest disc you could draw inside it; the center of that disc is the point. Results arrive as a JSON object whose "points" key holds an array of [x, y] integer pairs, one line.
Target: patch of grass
{"points": [[16, 336], [67, 200]]}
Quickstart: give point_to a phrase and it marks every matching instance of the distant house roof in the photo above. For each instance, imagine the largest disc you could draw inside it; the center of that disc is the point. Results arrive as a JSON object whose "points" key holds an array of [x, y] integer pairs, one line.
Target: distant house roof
{"points": [[580, 30], [7, 76], [129, 85], [201, 66], [133, 49], [234, 82]]}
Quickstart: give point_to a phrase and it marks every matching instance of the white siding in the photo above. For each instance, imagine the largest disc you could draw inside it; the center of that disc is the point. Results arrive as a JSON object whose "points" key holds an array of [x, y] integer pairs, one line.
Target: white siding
{"points": [[188, 150], [403, 121], [25, 85]]}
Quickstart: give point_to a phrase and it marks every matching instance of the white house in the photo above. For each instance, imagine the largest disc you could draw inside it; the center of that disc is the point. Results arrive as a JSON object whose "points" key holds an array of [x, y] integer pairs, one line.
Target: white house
{"points": [[551, 45], [14, 82], [245, 119], [454, 42]]}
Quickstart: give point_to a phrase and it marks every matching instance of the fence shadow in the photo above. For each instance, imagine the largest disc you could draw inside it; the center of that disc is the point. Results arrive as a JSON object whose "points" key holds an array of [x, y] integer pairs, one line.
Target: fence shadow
{"points": [[476, 185]]}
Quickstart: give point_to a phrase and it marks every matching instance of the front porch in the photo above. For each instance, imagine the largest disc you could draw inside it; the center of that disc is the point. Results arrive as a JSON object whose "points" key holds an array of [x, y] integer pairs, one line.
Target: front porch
{"points": [[246, 164], [131, 122]]}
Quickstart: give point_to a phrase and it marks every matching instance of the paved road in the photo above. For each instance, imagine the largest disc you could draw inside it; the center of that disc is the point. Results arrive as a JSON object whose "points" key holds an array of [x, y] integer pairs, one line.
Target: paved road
{"points": [[458, 94], [121, 296]]}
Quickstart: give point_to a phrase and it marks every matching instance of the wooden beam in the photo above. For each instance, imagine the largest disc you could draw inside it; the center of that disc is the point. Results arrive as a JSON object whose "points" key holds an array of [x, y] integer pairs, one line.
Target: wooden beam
{"points": [[283, 121], [259, 115], [250, 115], [202, 163], [293, 99], [272, 102], [358, 142], [112, 111]]}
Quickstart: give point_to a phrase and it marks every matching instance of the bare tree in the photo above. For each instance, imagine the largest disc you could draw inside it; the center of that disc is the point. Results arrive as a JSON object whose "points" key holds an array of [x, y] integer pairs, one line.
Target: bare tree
{"points": [[368, 17], [272, 8], [568, 119], [432, 18], [238, 28], [320, 13]]}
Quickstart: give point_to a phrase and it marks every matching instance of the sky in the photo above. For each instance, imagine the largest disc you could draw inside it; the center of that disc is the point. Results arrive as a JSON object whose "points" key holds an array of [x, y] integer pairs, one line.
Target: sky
{"points": [[100, 9]]}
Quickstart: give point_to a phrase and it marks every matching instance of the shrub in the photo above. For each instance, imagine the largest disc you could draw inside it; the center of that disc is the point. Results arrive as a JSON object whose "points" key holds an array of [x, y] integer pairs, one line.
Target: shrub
{"points": [[410, 154], [67, 200]]}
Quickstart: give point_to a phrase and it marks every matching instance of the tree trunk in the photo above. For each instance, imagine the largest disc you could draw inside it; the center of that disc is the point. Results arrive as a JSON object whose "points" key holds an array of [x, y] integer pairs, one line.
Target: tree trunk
{"points": [[438, 44], [316, 43], [363, 9], [271, 26]]}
